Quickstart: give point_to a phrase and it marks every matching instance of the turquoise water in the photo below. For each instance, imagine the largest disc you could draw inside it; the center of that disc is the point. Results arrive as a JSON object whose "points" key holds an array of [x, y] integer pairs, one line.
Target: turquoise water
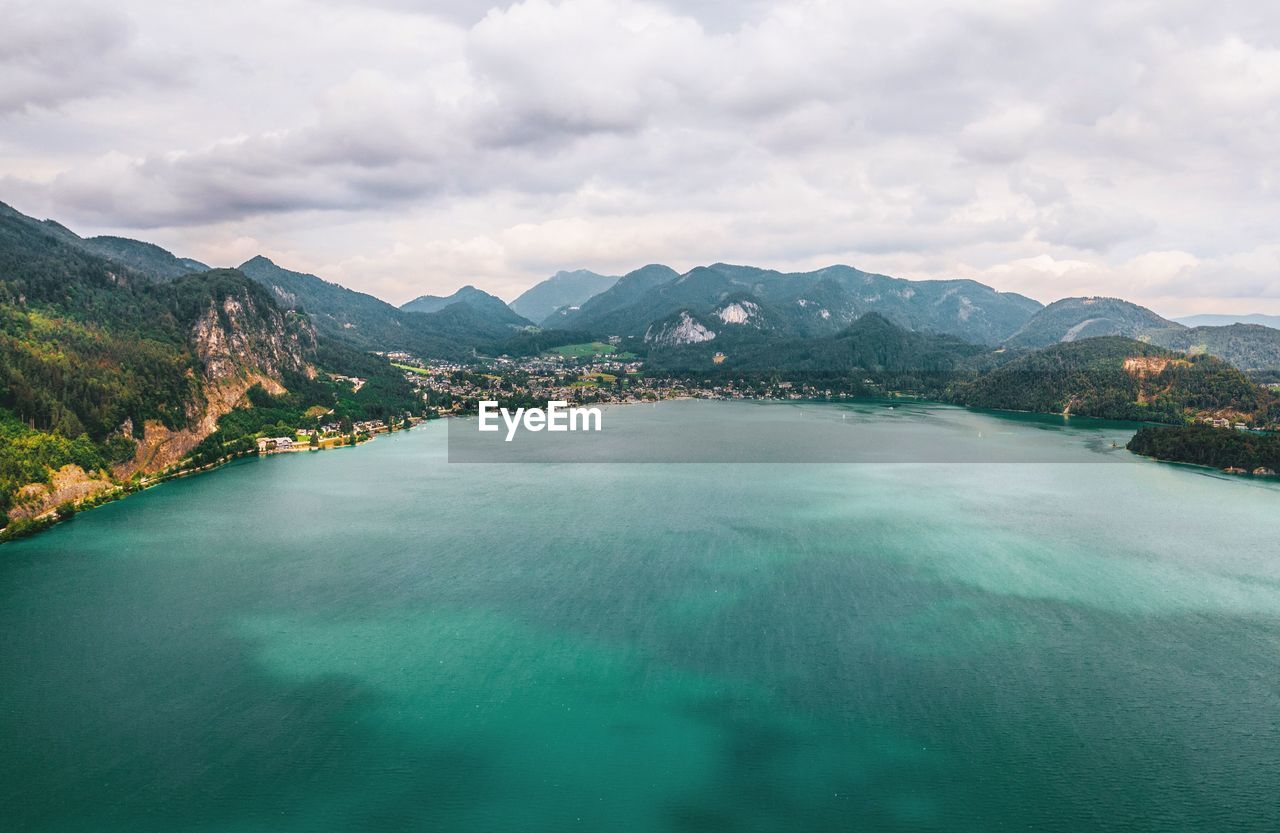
{"points": [[375, 639]]}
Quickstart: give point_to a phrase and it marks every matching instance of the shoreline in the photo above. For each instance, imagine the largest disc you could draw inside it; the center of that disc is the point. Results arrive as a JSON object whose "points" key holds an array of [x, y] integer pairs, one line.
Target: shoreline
{"points": [[50, 518], [24, 528]]}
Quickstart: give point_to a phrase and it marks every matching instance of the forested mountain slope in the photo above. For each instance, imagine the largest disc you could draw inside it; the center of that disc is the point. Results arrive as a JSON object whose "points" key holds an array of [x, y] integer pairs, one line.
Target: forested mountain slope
{"points": [[818, 303], [1075, 319], [368, 323], [1247, 346], [117, 369], [486, 306], [1119, 378]]}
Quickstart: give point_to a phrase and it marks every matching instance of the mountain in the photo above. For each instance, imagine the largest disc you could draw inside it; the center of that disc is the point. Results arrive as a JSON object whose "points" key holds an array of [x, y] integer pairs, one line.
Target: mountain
{"points": [[871, 345], [488, 305], [130, 259], [1247, 346], [368, 323], [1226, 320], [563, 289], [1117, 378], [362, 320], [1074, 319], [101, 366], [145, 257], [816, 303], [239, 339], [111, 369], [599, 310]]}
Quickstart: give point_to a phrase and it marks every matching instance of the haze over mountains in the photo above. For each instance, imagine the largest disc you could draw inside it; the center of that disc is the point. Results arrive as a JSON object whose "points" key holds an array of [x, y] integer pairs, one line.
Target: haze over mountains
{"points": [[1224, 320], [490, 306], [563, 289]]}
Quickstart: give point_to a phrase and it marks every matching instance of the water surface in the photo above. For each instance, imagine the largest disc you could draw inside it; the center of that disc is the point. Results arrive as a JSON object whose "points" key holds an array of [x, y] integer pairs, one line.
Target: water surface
{"points": [[376, 639]]}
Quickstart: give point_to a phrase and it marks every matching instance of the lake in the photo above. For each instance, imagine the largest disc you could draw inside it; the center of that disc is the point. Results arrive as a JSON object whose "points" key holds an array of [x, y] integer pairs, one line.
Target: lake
{"points": [[377, 639]]}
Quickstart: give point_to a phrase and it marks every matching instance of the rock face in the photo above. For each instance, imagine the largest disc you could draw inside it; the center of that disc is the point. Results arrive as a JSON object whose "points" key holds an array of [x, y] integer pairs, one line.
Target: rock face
{"points": [[739, 312], [684, 330], [69, 484], [239, 335], [1146, 366], [239, 341]]}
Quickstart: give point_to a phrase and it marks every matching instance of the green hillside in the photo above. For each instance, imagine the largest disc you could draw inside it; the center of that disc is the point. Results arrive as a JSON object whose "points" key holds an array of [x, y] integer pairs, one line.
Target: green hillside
{"points": [[120, 370], [1204, 446], [819, 303], [1076, 319], [455, 331], [1117, 378], [1247, 346]]}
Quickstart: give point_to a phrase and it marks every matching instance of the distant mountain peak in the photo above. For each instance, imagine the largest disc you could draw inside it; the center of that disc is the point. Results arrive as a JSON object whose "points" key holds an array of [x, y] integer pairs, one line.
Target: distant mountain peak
{"points": [[565, 290], [487, 306], [1220, 320], [1077, 318]]}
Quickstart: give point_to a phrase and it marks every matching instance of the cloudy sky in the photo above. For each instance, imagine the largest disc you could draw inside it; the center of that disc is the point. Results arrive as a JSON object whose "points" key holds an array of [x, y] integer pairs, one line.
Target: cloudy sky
{"points": [[1052, 148]]}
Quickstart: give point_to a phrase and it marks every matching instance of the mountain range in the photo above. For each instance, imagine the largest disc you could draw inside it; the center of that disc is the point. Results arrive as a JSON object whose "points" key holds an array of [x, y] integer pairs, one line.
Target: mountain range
{"points": [[489, 307], [471, 320], [1224, 320], [657, 309], [1247, 346], [814, 303], [120, 360]]}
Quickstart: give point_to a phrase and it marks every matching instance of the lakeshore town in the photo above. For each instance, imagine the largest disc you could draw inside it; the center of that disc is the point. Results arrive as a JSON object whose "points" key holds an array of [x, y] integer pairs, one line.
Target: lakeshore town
{"points": [[583, 374], [594, 375]]}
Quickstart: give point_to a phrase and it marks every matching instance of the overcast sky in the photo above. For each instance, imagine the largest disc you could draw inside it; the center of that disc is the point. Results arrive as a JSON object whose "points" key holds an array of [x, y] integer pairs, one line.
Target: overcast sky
{"points": [[1052, 148]]}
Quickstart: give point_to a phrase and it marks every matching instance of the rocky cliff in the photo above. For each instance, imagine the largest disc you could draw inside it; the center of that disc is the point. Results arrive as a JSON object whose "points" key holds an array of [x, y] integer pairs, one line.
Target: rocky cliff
{"points": [[239, 338]]}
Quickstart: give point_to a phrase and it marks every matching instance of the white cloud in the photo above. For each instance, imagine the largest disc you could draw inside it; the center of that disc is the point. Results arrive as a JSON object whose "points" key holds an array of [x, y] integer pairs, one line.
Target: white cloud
{"points": [[407, 147]]}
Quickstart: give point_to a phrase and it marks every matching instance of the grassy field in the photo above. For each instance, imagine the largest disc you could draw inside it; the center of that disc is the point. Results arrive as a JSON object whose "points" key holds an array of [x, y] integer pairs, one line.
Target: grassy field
{"points": [[591, 380], [419, 370], [583, 351]]}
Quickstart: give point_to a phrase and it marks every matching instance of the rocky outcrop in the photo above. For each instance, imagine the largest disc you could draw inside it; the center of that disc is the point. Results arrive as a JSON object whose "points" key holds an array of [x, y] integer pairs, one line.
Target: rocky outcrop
{"points": [[237, 335], [683, 330], [239, 342], [161, 447], [738, 312], [69, 484], [1142, 367]]}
